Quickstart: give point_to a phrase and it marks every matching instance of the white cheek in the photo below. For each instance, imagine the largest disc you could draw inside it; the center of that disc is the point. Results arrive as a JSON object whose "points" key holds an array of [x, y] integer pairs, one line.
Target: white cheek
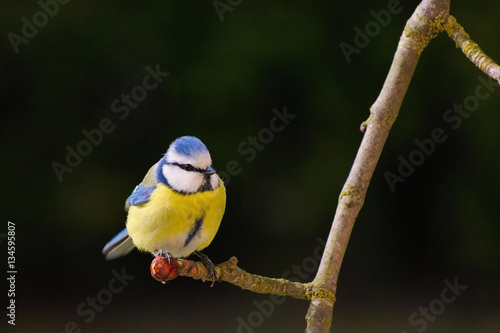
{"points": [[182, 181]]}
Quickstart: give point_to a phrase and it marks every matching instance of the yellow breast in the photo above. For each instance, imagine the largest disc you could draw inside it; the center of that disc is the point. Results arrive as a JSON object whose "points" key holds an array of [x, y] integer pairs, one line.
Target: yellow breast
{"points": [[179, 223]]}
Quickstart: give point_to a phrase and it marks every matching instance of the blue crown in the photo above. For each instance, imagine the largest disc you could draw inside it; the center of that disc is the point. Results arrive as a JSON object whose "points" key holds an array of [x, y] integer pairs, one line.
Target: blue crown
{"points": [[189, 146]]}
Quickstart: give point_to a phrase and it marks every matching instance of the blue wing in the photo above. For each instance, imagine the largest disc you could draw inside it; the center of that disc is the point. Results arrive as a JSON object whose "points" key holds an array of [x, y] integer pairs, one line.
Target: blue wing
{"points": [[142, 192], [139, 196]]}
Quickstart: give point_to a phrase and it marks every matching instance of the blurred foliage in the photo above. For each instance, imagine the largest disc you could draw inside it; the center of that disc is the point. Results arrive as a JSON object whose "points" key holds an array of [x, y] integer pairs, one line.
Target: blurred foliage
{"points": [[225, 79]]}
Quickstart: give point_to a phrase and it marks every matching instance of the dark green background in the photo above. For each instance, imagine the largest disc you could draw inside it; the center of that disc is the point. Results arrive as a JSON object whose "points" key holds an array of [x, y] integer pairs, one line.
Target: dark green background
{"points": [[225, 79]]}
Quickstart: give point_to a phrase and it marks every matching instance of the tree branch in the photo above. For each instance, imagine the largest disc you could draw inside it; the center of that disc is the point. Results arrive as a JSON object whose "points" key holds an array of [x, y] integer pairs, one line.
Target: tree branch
{"points": [[424, 24], [164, 269], [229, 272]]}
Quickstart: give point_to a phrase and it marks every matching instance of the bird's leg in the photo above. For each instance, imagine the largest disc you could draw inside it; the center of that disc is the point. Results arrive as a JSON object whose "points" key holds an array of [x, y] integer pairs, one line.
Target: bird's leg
{"points": [[166, 254], [209, 265]]}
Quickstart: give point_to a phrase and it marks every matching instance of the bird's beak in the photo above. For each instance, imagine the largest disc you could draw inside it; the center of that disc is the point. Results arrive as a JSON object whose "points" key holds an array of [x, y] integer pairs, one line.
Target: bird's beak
{"points": [[209, 171]]}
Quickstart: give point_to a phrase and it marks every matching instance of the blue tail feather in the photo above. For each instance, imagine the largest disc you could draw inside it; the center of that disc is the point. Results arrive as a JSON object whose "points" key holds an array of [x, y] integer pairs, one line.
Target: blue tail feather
{"points": [[119, 246]]}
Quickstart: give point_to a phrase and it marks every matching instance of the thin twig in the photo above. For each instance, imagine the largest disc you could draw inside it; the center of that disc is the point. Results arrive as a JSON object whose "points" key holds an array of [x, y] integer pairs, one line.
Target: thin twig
{"points": [[471, 49]]}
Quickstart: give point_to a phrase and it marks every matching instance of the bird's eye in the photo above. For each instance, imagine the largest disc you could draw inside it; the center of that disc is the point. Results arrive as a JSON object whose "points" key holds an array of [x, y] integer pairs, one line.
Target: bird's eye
{"points": [[187, 167]]}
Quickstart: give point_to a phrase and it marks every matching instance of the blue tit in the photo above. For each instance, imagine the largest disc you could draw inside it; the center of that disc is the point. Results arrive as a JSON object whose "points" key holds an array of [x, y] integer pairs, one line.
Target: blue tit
{"points": [[178, 207]]}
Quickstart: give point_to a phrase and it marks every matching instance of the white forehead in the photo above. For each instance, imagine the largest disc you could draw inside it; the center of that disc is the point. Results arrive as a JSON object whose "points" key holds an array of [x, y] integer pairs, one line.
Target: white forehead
{"points": [[200, 160]]}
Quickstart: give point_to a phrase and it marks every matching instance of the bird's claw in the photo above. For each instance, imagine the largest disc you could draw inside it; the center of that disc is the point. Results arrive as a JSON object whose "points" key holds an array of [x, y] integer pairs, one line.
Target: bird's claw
{"points": [[209, 265], [166, 254]]}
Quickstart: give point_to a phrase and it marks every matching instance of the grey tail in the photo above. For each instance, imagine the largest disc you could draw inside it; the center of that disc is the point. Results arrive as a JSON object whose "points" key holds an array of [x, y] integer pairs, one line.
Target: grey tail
{"points": [[119, 246]]}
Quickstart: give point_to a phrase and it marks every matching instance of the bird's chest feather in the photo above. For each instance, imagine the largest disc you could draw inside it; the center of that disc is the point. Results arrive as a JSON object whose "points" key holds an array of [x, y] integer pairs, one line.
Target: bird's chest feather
{"points": [[169, 218]]}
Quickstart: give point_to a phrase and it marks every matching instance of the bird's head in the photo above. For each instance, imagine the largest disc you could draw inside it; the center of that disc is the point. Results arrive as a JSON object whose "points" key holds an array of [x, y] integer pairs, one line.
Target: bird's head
{"points": [[187, 166]]}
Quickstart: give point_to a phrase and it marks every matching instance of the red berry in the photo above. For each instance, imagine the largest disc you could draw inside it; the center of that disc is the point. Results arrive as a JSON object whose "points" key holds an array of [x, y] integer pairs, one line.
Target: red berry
{"points": [[162, 271]]}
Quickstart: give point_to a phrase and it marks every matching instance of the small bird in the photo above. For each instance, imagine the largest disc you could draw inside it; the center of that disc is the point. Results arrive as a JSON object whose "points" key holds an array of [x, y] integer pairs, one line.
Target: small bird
{"points": [[178, 207]]}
